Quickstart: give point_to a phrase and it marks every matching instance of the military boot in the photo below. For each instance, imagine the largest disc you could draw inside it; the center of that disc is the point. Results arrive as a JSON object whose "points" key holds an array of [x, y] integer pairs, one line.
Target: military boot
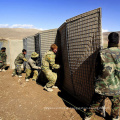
{"points": [[117, 118], [14, 75], [48, 89], [19, 76], [54, 87], [27, 80], [3, 70]]}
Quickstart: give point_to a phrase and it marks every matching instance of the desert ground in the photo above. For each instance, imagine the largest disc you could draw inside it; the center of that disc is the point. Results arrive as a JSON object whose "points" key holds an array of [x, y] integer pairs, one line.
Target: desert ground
{"points": [[21, 100]]}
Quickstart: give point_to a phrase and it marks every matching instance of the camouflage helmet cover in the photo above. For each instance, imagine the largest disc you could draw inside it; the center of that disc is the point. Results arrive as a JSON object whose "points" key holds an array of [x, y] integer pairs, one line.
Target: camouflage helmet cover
{"points": [[34, 55]]}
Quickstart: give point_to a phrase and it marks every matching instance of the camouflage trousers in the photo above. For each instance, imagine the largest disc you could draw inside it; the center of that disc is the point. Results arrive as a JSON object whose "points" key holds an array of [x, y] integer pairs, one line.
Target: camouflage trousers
{"points": [[98, 102], [51, 76], [17, 70], [28, 73], [2, 66]]}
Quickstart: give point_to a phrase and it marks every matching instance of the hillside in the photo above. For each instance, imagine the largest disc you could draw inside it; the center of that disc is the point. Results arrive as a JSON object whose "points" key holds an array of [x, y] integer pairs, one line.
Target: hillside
{"points": [[16, 33]]}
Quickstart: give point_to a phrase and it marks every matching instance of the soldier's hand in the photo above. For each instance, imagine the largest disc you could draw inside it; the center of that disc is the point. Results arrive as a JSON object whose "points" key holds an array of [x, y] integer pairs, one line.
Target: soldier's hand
{"points": [[0, 61], [57, 66], [39, 67]]}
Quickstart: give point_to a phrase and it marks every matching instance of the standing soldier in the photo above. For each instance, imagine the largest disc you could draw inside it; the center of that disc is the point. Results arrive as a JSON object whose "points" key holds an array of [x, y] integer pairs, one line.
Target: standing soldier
{"points": [[49, 61], [108, 82], [3, 57], [18, 62], [31, 67]]}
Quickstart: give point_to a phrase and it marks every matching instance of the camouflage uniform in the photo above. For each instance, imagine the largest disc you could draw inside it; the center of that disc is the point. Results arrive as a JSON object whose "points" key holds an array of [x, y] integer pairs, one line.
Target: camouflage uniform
{"points": [[18, 62], [3, 57], [108, 83], [49, 61], [31, 67]]}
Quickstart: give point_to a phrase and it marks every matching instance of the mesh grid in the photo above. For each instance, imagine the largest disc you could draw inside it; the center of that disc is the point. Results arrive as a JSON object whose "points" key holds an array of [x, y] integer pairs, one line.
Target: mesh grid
{"points": [[67, 82], [29, 45], [83, 43], [49, 37], [38, 47]]}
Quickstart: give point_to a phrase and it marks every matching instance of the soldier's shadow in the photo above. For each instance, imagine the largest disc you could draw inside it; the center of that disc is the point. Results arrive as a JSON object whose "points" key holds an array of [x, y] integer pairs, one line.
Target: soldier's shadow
{"points": [[7, 67]]}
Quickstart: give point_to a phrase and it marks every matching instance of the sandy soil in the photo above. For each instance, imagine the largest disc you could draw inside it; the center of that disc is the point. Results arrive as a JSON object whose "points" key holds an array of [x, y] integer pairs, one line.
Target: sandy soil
{"points": [[21, 100]]}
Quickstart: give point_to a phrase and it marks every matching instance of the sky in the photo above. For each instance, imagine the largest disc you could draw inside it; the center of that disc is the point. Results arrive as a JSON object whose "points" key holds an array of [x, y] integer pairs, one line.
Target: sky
{"points": [[50, 14]]}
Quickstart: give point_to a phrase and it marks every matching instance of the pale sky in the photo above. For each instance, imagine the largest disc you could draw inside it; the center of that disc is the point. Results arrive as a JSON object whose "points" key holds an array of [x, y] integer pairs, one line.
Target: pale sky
{"points": [[49, 14]]}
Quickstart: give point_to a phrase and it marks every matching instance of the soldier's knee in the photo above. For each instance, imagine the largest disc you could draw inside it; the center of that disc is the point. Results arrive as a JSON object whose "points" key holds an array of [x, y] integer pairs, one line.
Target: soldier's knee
{"points": [[36, 72], [28, 72], [55, 76], [48, 73]]}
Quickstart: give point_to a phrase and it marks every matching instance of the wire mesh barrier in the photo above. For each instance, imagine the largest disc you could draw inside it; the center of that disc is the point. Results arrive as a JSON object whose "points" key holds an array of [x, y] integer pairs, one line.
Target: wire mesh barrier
{"points": [[29, 45], [67, 82], [38, 47], [83, 34], [78, 40], [49, 37]]}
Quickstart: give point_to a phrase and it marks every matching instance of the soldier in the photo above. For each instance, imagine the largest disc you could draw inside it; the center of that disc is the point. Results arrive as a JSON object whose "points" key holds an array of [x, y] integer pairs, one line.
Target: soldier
{"points": [[3, 57], [49, 61], [108, 82], [18, 62], [31, 67]]}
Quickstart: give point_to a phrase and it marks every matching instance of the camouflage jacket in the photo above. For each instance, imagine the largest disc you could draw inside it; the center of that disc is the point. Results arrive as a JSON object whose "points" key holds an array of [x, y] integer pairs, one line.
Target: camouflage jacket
{"points": [[108, 83], [49, 60], [20, 59], [31, 64], [3, 56]]}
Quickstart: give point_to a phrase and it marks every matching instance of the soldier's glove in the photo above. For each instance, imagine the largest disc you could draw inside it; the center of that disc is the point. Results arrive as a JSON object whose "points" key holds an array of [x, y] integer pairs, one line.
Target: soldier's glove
{"points": [[39, 67], [57, 66]]}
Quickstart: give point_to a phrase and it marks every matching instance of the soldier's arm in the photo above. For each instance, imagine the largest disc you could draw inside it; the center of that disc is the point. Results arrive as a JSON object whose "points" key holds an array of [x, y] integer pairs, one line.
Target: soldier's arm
{"points": [[4, 58], [0, 59], [25, 59], [51, 60], [32, 64], [21, 56]]}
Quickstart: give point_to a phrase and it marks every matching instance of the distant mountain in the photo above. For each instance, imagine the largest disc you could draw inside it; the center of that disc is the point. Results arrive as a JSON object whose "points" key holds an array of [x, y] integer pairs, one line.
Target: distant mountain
{"points": [[16, 33]]}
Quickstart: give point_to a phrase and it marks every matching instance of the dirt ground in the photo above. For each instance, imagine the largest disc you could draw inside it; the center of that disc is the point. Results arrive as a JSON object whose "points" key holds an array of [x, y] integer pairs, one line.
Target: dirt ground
{"points": [[21, 100]]}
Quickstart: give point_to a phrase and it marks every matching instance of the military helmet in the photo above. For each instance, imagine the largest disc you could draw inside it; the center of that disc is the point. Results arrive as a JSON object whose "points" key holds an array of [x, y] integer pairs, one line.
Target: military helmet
{"points": [[34, 55]]}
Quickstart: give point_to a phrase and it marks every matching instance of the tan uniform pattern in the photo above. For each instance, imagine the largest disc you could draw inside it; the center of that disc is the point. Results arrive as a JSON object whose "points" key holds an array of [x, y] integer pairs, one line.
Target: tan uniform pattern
{"points": [[49, 61]]}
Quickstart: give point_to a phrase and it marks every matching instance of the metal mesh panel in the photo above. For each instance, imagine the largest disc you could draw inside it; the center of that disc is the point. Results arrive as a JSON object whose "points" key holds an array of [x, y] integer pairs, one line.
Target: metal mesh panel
{"points": [[38, 47], [67, 82], [83, 39], [48, 37], [43, 42], [29, 45]]}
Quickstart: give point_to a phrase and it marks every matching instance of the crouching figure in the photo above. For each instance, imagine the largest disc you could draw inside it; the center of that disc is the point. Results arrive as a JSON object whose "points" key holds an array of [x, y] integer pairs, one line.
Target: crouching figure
{"points": [[48, 63], [31, 67]]}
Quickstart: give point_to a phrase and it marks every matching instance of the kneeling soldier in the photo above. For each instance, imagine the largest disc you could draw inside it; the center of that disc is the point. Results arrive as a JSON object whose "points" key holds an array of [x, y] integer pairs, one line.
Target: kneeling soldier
{"points": [[31, 67], [47, 61], [18, 62]]}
